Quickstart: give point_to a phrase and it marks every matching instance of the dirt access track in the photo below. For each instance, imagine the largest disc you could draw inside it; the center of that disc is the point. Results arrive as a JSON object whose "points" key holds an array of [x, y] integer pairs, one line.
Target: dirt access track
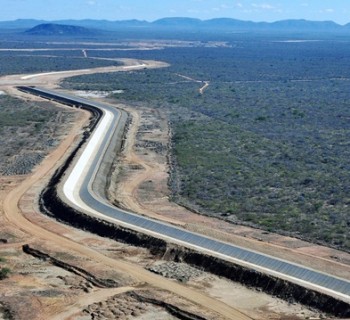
{"points": [[145, 200], [142, 173], [59, 238]]}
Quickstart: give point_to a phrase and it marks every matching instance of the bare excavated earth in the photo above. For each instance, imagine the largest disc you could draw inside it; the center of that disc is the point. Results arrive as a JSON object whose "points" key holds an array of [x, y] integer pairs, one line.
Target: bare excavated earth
{"points": [[57, 282], [62, 283], [39, 289], [141, 177], [58, 272], [140, 184], [65, 273]]}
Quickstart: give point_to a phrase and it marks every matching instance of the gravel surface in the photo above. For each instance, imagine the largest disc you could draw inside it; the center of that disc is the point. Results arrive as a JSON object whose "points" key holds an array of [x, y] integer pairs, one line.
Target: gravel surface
{"points": [[179, 271], [118, 307]]}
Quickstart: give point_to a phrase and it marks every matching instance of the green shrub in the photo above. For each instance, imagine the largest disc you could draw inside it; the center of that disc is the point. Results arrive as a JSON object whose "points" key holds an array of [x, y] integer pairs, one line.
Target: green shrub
{"points": [[4, 273]]}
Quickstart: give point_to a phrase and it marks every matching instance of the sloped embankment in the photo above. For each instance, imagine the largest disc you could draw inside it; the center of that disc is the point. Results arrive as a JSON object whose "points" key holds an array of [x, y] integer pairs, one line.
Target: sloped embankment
{"points": [[51, 204]]}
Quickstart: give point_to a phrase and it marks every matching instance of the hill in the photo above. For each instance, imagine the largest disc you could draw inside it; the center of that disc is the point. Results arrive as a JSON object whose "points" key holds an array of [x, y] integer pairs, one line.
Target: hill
{"points": [[52, 29]]}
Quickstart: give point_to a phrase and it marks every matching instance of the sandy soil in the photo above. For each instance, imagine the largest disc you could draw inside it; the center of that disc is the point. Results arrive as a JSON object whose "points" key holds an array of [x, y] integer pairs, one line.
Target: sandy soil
{"points": [[58, 238], [142, 176], [124, 45], [205, 84], [22, 223], [257, 304], [50, 80], [41, 291]]}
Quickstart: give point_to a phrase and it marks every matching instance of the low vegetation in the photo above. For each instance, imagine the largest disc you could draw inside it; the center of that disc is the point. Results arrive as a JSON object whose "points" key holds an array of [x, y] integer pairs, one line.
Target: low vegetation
{"points": [[267, 144], [11, 63], [4, 271], [27, 132]]}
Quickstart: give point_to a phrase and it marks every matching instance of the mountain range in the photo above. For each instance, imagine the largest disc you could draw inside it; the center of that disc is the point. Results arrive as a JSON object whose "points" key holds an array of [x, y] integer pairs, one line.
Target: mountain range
{"points": [[224, 24]]}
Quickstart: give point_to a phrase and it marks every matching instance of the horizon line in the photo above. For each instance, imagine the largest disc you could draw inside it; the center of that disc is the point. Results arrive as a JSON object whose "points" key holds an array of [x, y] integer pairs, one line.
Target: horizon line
{"points": [[174, 17]]}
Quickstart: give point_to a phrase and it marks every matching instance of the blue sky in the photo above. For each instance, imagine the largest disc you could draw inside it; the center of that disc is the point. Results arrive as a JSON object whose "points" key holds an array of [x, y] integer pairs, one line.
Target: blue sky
{"points": [[255, 10]]}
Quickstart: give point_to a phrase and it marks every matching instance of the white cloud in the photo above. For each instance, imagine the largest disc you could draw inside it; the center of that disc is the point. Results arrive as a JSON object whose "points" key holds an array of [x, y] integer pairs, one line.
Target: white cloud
{"points": [[264, 6], [329, 10], [125, 8], [194, 11], [225, 6]]}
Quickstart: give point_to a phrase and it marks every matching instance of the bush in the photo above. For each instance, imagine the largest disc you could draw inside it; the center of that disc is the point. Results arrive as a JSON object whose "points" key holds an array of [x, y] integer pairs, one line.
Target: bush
{"points": [[267, 143], [4, 273]]}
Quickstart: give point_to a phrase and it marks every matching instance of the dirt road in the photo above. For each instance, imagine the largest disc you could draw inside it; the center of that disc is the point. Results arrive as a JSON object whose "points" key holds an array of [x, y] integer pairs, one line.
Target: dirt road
{"points": [[150, 172], [50, 79], [201, 90], [145, 190], [89, 299], [15, 217]]}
